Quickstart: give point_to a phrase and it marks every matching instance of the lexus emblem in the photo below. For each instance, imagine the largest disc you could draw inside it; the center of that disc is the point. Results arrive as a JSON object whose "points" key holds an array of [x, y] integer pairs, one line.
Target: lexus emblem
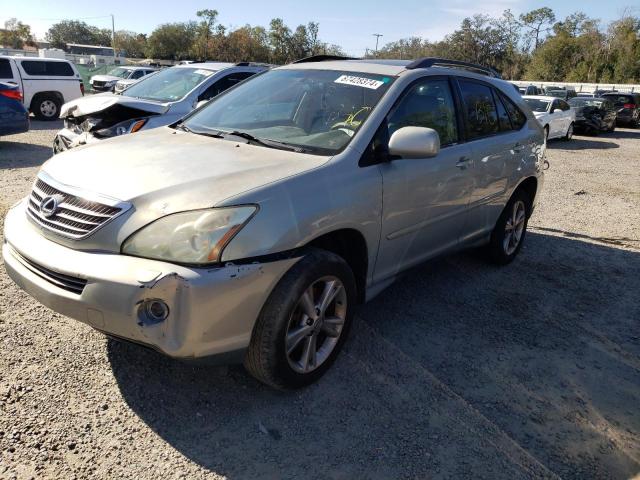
{"points": [[49, 205]]}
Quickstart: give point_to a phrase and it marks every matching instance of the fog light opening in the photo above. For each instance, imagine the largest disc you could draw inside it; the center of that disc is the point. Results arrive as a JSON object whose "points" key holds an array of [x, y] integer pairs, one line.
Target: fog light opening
{"points": [[153, 311]]}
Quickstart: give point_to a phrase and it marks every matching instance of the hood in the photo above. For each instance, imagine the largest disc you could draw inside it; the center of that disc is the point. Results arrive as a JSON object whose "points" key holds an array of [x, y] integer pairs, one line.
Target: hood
{"points": [[105, 78], [97, 103], [539, 114], [162, 171]]}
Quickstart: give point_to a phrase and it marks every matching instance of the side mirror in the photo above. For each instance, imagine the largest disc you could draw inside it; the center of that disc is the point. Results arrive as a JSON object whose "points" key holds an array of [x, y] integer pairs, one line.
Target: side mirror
{"points": [[414, 142], [201, 103]]}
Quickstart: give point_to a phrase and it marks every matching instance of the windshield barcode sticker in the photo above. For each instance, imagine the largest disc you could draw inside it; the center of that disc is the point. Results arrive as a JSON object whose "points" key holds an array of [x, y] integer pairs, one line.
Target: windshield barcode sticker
{"points": [[359, 81]]}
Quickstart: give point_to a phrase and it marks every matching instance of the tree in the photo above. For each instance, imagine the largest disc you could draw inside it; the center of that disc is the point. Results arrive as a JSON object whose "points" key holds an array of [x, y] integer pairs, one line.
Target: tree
{"points": [[279, 40], [204, 31], [16, 34], [537, 22], [131, 44], [172, 41], [74, 31]]}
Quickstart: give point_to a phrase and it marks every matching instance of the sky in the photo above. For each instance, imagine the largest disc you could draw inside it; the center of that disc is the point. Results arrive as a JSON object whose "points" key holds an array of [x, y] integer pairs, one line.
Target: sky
{"points": [[350, 24]]}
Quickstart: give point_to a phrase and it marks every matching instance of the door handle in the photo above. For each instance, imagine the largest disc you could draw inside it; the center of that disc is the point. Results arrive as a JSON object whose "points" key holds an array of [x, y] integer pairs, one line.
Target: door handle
{"points": [[463, 163]]}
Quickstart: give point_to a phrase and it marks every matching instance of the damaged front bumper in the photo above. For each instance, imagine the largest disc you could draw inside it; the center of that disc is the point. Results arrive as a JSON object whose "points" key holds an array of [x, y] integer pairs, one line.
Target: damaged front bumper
{"points": [[67, 139], [211, 311]]}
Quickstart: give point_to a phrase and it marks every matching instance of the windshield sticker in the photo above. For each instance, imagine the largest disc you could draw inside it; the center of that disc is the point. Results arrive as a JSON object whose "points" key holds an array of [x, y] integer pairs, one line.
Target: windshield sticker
{"points": [[206, 73], [359, 82]]}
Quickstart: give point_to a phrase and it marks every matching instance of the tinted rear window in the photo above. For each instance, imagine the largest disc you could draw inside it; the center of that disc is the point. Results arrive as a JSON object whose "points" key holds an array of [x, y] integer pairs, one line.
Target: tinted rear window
{"points": [[45, 68], [5, 69], [481, 117]]}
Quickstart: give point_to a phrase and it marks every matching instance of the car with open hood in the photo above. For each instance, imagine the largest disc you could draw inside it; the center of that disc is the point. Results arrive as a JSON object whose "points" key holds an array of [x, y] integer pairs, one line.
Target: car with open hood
{"points": [[156, 100], [250, 230], [556, 116], [594, 115]]}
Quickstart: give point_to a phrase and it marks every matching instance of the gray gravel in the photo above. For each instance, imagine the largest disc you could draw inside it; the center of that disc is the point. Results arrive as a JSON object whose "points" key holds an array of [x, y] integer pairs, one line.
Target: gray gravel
{"points": [[459, 370]]}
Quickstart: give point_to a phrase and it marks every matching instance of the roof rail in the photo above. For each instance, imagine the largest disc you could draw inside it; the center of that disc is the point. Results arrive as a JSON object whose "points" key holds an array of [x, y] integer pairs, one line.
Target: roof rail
{"points": [[253, 64], [323, 58], [427, 62]]}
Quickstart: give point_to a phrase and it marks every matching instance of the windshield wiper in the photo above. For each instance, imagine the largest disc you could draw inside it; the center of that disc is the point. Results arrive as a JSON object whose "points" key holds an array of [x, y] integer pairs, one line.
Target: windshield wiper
{"points": [[184, 128], [264, 142]]}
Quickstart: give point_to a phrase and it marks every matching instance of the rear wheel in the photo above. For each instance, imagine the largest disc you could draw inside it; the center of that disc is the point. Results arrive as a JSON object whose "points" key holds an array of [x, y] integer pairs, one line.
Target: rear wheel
{"points": [[304, 322], [46, 107], [510, 229], [569, 135]]}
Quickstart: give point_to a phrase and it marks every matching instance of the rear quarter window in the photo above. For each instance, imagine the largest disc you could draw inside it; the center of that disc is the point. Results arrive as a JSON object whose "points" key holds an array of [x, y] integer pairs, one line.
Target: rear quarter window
{"points": [[518, 119], [5, 69], [46, 68]]}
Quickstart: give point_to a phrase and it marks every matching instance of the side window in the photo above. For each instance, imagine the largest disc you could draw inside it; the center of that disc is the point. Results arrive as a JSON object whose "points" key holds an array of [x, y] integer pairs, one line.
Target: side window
{"points": [[503, 116], [137, 74], [223, 84], [564, 105], [428, 103], [481, 118], [518, 119], [5, 69], [39, 67]]}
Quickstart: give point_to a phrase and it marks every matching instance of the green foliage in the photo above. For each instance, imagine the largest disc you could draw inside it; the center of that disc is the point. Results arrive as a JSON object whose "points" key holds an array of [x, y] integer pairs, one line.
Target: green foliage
{"points": [[172, 41], [16, 34], [74, 31]]}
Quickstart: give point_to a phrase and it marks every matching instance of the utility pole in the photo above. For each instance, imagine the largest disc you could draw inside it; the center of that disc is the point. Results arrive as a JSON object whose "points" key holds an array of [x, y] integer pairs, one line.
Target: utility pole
{"points": [[377, 35], [113, 37]]}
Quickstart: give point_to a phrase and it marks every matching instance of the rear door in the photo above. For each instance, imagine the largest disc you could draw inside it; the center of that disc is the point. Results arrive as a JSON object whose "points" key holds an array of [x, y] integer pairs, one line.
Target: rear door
{"points": [[497, 150], [424, 199]]}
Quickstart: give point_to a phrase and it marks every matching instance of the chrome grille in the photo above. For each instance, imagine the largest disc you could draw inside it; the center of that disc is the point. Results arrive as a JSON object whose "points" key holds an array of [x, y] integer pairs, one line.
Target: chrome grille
{"points": [[61, 280], [75, 217]]}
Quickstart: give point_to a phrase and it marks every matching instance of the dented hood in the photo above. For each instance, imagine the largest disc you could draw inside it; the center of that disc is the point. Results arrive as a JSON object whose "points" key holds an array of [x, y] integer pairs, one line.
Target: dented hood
{"points": [[92, 104], [164, 170]]}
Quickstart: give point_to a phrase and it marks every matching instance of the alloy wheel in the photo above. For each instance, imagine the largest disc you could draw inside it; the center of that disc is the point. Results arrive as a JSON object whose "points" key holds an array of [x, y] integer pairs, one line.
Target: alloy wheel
{"points": [[316, 324], [514, 228]]}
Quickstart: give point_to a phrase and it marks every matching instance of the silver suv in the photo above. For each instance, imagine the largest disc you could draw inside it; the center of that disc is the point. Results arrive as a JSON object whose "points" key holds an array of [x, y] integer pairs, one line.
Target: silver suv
{"points": [[250, 230]]}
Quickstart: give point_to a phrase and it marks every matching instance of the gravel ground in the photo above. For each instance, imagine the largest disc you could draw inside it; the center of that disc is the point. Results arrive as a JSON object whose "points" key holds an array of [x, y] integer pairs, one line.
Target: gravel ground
{"points": [[460, 369]]}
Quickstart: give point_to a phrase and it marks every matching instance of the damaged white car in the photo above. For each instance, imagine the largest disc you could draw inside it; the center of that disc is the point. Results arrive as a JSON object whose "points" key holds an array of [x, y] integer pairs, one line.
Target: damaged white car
{"points": [[155, 101]]}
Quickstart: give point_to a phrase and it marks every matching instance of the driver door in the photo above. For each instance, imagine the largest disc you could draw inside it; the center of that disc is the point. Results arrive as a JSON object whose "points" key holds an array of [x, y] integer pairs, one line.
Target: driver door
{"points": [[424, 199]]}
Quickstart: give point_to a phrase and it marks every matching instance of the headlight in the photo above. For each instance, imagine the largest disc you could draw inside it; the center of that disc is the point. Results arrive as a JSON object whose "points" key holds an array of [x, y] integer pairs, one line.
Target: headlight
{"points": [[196, 237], [128, 126]]}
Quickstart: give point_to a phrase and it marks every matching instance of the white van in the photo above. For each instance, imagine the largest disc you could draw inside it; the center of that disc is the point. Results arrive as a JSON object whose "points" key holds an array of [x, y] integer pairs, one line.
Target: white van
{"points": [[46, 83]]}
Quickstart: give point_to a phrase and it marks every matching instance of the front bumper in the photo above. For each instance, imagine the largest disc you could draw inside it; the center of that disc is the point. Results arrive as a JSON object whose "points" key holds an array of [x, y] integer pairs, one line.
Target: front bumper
{"points": [[211, 311], [67, 139]]}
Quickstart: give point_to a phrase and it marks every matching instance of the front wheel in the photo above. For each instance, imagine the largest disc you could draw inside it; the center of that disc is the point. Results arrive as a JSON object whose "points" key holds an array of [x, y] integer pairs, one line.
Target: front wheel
{"points": [[304, 322], [510, 229]]}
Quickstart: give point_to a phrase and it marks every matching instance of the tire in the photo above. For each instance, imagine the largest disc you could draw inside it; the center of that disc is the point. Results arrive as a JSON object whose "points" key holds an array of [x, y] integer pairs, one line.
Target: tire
{"points": [[283, 332], [46, 107], [500, 249], [569, 134]]}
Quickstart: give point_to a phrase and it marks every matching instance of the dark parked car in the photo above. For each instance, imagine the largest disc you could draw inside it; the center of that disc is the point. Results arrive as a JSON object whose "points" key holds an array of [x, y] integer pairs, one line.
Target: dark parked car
{"points": [[628, 106], [14, 118], [530, 90], [594, 115]]}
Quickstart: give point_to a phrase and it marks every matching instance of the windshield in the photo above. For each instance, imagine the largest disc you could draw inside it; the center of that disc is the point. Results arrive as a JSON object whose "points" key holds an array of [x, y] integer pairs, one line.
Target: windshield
{"points": [[537, 105], [585, 102], [168, 85], [317, 110], [120, 72]]}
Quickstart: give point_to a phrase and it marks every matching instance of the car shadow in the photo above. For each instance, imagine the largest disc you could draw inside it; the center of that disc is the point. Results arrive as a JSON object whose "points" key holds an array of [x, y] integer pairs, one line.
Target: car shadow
{"points": [[582, 143], [45, 124], [22, 155], [458, 369]]}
